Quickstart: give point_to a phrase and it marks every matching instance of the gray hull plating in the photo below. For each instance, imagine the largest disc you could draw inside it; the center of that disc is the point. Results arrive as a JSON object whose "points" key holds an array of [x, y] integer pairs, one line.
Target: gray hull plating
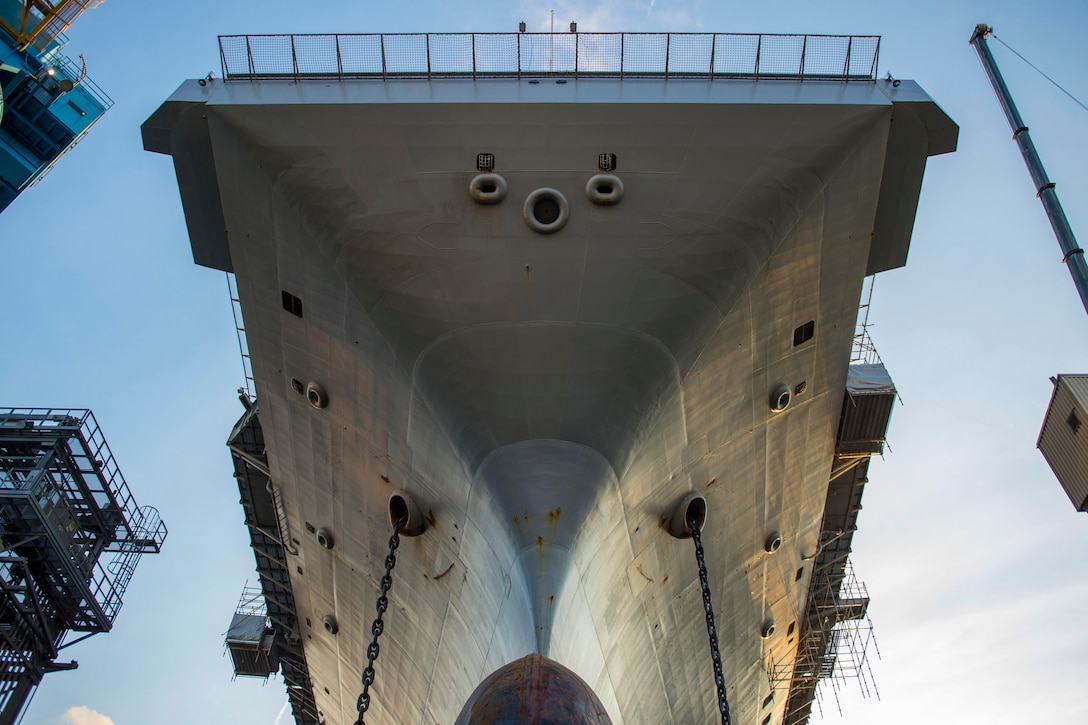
{"points": [[545, 398]]}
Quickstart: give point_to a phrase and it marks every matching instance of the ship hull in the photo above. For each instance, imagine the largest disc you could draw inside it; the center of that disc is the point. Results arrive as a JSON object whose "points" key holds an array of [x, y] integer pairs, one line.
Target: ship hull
{"points": [[545, 399]]}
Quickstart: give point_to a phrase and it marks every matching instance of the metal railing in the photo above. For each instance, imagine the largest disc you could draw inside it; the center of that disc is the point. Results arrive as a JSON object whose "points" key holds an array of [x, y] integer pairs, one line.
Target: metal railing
{"points": [[69, 462], [67, 68], [578, 55], [87, 447], [77, 73]]}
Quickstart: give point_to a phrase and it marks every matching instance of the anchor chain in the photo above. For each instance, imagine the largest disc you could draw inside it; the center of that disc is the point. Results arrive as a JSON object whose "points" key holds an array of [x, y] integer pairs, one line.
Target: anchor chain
{"points": [[711, 628], [376, 629]]}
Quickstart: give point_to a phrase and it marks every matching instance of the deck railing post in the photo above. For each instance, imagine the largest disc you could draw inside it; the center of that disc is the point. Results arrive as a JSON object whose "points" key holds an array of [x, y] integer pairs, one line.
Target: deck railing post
{"points": [[713, 45], [294, 60], [382, 42], [623, 36], [668, 38], [339, 59], [575, 54]]}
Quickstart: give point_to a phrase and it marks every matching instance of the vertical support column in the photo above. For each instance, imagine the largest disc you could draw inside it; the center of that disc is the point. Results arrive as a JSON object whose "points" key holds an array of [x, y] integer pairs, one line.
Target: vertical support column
{"points": [[44, 462], [13, 708]]}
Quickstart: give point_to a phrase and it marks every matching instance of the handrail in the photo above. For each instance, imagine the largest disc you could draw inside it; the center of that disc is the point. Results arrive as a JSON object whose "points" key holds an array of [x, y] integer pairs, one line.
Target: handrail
{"points": [[580, 55]]}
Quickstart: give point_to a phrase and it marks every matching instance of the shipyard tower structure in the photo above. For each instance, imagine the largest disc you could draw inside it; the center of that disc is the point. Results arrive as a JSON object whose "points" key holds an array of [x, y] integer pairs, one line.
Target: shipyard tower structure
{"points": [[535, 290], [71, 535], [47, 101]]}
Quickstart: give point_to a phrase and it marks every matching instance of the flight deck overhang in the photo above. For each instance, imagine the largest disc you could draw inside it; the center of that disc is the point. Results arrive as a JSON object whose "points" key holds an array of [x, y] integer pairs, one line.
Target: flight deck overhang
{"points": [[179, 128], [917, 123]]}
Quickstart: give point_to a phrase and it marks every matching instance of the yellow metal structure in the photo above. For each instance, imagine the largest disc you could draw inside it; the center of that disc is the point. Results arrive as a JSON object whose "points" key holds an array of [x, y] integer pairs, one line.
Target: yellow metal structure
{"points": [[38, 22]]}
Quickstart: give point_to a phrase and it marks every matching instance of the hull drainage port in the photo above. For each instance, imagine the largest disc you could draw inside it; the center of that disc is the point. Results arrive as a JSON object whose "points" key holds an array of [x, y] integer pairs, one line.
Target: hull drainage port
{"points": [[546, 211], [330, 624], [315, 396], [324, 537], [780, 398], [767, 630], [487, 188], [773, 542], [604, 189]]}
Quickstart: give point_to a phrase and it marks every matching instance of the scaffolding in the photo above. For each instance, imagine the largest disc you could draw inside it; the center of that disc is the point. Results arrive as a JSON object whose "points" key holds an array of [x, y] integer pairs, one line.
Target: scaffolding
{"points": [[251, 637], [71, 535], [833, 650], [864, 351], [850, 643], [835, 633], [271, 543]]}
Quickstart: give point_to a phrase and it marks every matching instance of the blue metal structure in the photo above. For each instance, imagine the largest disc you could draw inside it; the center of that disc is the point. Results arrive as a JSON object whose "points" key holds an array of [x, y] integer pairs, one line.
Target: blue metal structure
{"points": [[48, 103]]}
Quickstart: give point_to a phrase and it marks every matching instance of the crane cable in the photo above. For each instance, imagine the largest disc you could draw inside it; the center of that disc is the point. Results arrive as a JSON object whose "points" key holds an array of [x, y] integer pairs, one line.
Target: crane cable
{"points": [[1040, 72]]}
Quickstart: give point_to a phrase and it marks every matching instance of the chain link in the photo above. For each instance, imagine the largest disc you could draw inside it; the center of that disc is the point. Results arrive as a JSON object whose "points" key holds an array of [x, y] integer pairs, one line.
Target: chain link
{"points": [[376, 629], [711, 628]]}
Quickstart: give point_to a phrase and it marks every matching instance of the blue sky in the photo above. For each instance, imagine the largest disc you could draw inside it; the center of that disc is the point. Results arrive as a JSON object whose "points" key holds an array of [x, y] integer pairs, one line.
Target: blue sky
{"points": [[976, 562]]}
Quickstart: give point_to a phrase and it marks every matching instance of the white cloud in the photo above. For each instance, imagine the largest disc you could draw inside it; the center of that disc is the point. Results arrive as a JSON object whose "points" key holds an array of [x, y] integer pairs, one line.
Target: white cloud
{"points": [[84, 715]]}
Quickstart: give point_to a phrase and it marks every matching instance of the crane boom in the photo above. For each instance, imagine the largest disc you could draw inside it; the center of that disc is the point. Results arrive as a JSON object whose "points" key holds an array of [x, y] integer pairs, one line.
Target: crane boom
{"points": [[1072, 254]]}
